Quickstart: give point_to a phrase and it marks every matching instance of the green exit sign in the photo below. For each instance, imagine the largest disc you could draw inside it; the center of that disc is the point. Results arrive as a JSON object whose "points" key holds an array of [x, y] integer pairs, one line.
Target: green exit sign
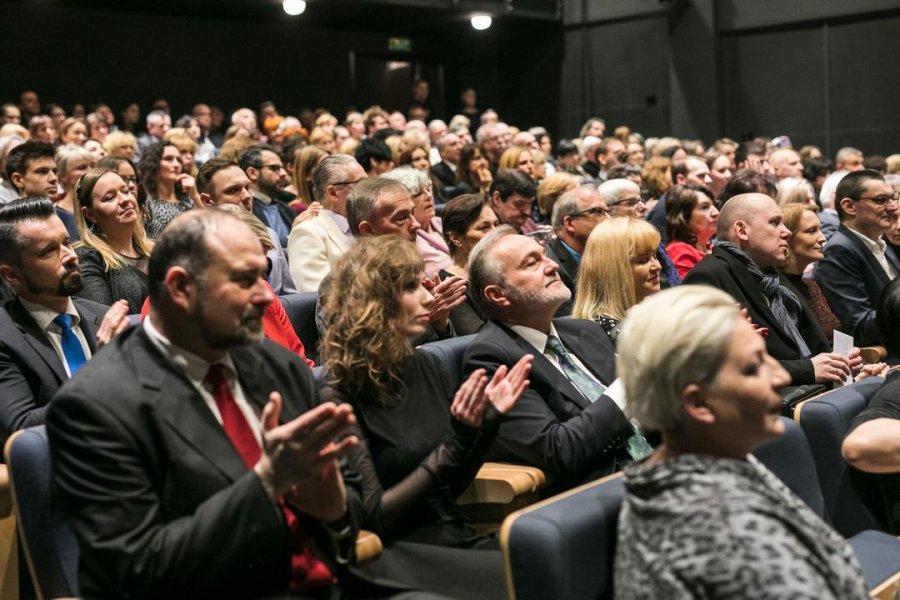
{"points": [[399, 44]]}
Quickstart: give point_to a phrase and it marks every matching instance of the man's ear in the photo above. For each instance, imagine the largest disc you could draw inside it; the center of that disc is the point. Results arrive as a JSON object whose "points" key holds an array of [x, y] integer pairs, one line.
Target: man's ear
{"points": [[206, 199], [10, 274], [495, 295], [181, 286], [679, 179], [495, 198], [848, 206], [16, 180], [365, 228], [568, 225], [740, 231], [694, 400], [252, 174]]}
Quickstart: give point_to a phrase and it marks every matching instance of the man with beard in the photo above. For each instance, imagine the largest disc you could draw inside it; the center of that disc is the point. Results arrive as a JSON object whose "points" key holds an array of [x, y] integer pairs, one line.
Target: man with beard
{"points": [[265, 169], [193, 458], [570, 422], [45, 334]]}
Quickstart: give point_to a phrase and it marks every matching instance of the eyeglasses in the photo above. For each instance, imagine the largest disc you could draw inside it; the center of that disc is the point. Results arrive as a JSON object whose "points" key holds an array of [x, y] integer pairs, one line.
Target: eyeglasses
{"points": [[627, 202], [353, 182], [130, 180], [274, 168], [591, 212], [882, 200]]}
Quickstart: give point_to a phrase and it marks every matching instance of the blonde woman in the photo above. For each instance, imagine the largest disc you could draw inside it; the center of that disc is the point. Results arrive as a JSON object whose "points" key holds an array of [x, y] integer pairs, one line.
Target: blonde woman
{"points": [[305, 162], [795, 190], [516, 158], [71, 163], [618, 270]]}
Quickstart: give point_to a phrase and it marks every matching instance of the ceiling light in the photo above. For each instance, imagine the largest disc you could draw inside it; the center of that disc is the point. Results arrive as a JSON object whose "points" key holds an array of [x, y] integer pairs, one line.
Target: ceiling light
{"points": [[294, 7], [480, 22]]}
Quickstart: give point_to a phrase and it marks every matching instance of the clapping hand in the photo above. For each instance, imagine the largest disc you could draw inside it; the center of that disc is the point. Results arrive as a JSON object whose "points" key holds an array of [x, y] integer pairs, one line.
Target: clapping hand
{"points": [[503, 391], [448, 294]]}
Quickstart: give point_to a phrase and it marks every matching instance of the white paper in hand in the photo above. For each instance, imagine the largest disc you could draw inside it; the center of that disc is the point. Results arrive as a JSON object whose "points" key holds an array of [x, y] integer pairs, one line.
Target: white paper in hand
{"points": [[843, 345]]}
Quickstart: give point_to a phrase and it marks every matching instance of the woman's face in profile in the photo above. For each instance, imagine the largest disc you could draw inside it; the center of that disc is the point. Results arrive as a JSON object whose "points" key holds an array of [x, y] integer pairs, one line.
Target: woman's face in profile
{"points": [[483, 225], [744, 398], [646, 269], [704, 216], [415, 308]]}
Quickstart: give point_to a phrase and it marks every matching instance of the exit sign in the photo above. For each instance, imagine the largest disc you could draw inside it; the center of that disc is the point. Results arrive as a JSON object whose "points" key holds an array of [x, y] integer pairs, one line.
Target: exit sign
{"points": [[399, 44]]}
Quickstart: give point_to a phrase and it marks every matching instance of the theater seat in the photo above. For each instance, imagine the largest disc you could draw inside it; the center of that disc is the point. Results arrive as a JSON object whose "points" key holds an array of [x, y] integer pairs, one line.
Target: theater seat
{"points": [[51, 549], [450, 352], [853, 500], [301, 310]]}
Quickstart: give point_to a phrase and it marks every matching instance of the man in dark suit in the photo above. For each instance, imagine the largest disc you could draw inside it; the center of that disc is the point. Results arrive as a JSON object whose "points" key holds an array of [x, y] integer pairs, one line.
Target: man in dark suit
{"points": [[575, 215], [858, 264], [752, 243], [448, 147], [268, 177], [192, 459], [38, 350], [568, 423]]}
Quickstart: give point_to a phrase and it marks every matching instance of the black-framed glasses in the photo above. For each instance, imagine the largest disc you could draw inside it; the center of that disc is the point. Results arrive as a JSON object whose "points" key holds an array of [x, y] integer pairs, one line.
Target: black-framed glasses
{"points": [[596, 211], [627, 202], [351, 182], [274, 168], [882, 200]]}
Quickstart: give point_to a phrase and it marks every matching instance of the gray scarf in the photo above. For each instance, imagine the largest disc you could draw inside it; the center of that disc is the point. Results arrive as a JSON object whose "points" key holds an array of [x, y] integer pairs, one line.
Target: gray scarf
{"points": [[783, 302]]}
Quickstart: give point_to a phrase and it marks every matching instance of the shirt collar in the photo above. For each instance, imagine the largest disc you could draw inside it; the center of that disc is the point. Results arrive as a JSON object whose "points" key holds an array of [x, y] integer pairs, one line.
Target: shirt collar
{"points": [[876, 246], [536, 338], [44, 316], [262, 197], [192, 365], [574, 254], [339, 220]]}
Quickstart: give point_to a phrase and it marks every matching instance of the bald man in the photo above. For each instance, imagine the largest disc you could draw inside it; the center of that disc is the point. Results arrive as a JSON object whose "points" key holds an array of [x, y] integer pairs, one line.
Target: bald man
{"points": [[786, 163], [752, 244]]}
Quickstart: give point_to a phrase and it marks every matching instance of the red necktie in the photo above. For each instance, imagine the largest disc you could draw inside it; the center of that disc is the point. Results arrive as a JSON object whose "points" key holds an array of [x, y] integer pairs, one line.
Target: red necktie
{"points": [[307, 571]]}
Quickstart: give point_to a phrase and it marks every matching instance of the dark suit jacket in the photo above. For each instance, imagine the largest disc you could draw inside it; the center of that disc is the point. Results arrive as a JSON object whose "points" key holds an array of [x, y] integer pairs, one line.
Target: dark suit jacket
{"points": [[568, 272], [852, 280], [444, 174], [287, 214], [160, 500], [30, 369], [553, 427], [724, 271]]}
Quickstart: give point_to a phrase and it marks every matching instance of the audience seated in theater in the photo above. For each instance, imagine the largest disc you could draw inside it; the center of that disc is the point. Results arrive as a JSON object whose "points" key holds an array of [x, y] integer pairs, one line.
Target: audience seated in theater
{"points": [[71, 163], [268, 177], [707, 383], [193, 458], [421, 445], [549, 191], [575, 215], [805, 248], [466, 219], [512, 197], [516, 158], [305, 162], [430, 235], [691, 170], [114, 248], [691, 217], [785, 163], [158, 123], [752, 243], [444, 171], [858, 264], [31, 169], [619, 270], [315, 246], [569, 423], [748, 181], [795, 190], [720, 170], [374, 156], [166, 192], [473, 175], [222, 182], [121, 143], [45, 334], [752, 155]]}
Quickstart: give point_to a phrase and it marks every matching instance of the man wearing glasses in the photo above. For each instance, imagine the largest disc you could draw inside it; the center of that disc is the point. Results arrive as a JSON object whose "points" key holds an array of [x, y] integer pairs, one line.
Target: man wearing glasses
{"points": [[267, 176], [858, 263], [575, 215], [315, 246]]}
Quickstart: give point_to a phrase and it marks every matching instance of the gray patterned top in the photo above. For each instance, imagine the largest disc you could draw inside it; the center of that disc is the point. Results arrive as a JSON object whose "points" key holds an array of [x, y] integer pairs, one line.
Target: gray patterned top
{"points": [[707, 527], [162, 213]]}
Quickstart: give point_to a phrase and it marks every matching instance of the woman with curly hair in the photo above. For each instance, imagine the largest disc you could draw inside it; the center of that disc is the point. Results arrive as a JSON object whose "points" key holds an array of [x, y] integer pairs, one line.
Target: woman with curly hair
{"points": [[166, 191], [422, 445]]}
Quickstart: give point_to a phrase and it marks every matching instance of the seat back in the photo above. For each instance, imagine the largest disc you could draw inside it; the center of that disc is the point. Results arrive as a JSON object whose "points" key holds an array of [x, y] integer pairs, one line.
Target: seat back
{"points": [[301, 310], [450, 352], [791, 459], [564, 547], [50, 545], [853, 500]]}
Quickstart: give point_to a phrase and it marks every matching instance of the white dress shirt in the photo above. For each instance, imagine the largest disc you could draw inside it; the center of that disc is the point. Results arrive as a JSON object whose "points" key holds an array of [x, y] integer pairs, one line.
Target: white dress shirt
{"points": [[43, 316], [877, 248]]}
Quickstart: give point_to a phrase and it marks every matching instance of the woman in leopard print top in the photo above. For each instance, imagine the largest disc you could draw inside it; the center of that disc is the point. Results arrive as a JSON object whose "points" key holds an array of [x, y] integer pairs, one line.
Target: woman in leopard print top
{"points": [[702, 518]]}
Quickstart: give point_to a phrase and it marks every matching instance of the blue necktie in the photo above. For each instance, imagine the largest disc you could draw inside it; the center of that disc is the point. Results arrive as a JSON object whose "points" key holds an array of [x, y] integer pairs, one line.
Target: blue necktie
{"points": [[72, 349], [637, 445]]}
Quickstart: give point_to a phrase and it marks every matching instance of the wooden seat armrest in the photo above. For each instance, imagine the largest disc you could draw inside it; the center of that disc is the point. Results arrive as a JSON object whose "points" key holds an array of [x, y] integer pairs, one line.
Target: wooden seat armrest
{"points": [[368, 547], [873, 354], [501, 483], [5, 493]]}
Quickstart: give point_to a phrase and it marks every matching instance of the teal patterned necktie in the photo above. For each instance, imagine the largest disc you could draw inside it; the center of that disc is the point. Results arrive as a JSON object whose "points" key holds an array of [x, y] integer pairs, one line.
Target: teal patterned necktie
{"points": [[637, 446]]}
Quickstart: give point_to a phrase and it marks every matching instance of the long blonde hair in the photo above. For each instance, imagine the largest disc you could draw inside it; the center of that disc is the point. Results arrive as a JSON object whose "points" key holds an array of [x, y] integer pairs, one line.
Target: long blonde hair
{"points": [[363, 345], [605, 281], [92, 237]]}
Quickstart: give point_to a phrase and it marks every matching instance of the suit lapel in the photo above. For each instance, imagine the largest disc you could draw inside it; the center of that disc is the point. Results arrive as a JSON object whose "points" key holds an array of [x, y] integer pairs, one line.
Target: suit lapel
{"points": [[874, 266], [184, 410], [892, 258], [89, 323], [580, 343], [332, 231], [36, 339]]}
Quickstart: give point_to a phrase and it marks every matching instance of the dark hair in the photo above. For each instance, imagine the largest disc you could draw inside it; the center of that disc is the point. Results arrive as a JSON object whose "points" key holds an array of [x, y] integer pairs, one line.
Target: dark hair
{"points": [[361, 201], [817, 167], [459, 214], [463, 172], [853, 186], [746, 149], [23, 209], [183, 243], [112, 163], [383, 134], [748, 181], [888, 316], [148, 170], [511, 182], [372, 149], [20, 157], [252, 156], [623, 171], [681, 200], [208, 170], [565, 147], [875, 162]]}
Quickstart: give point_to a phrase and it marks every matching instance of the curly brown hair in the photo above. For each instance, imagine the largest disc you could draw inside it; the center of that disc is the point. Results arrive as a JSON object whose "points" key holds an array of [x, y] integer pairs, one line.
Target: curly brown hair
{"points": [[364, 347]]}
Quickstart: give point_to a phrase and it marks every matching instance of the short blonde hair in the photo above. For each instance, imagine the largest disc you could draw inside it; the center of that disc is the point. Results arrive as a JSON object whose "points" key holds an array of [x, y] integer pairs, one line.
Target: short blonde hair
{"points": [[794, 190], [116, 139], [674, 338], [605, 280], [552, 187]]}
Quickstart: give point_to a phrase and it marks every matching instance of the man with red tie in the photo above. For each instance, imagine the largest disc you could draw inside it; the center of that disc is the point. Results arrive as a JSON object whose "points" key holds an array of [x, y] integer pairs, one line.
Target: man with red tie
{"points": [[192, 458]]}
